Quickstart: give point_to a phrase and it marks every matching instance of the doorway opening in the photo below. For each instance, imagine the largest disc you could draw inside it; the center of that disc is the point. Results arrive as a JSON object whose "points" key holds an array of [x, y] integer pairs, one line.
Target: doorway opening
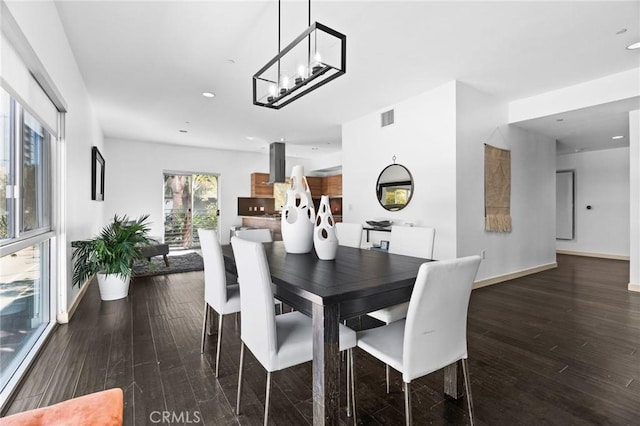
{"points": [[190, 201]]}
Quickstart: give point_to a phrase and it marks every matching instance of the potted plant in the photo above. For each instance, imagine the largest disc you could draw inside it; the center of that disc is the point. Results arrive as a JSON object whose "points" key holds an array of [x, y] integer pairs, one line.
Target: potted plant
{"points": [[110, 255]]}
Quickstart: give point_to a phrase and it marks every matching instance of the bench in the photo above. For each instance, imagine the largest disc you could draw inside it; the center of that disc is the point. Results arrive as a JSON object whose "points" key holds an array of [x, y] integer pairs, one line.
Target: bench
{"points": [[155, 250]]}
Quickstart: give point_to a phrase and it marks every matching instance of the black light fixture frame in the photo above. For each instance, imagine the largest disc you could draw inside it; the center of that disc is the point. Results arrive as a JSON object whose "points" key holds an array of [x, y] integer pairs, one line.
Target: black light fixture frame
{"points": [[306, 85]]}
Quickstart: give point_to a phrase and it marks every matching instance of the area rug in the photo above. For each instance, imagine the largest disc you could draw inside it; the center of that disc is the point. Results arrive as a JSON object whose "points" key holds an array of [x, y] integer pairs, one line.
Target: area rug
{"points": [[181, 263]]}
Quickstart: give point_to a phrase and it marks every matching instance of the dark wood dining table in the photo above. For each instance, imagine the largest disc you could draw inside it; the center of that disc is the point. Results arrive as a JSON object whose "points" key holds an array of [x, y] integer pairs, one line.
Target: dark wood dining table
{"points": [[356, 282]]}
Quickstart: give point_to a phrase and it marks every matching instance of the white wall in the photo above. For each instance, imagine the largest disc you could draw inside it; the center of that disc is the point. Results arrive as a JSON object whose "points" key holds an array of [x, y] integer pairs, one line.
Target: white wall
{"points": [[614, 87], [41, 25], [134, 178], [423, 139], [602, 181], [482, 119], [318, 162]]}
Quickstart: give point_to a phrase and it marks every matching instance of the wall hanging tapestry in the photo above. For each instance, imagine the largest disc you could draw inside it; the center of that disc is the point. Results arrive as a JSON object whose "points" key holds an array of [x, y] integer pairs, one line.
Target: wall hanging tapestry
{"points": [[497, 189]]}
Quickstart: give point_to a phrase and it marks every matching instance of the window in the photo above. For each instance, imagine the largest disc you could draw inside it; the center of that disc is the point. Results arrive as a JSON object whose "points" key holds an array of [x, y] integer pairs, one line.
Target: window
{"points": [[25, 234], [31, 123]]}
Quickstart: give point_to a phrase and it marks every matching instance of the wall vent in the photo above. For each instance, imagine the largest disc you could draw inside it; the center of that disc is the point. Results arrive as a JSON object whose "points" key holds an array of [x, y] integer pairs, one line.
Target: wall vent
{"points": [[386, 118]]}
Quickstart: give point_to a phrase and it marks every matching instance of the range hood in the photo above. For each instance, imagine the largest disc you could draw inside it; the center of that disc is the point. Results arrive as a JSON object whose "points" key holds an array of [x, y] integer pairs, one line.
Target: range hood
{"points": [[276, 162]]}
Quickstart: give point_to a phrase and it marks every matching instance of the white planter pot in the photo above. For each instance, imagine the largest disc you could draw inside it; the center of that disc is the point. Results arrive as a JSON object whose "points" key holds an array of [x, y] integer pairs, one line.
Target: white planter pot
{"points": [[298, 215], [324, 232], [113, 287]]}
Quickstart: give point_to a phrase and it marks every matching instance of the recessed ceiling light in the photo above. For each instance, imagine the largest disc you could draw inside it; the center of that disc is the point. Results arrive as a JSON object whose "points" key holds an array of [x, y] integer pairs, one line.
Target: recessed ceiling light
{"points": [[579, 149], [314, 148], [617, 137], [231, 61], [621, 31], [559, 119], [182, 131], [208, 94], [633, 46]]}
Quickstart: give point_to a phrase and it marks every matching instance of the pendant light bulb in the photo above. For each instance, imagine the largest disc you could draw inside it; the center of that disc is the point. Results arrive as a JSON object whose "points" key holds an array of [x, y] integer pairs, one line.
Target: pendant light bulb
{"points": [[317, 63]]}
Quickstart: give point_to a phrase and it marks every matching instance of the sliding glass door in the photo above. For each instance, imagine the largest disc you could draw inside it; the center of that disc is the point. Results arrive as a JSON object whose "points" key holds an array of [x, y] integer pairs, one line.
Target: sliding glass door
{"points": [[190, 202], [25, 233]]}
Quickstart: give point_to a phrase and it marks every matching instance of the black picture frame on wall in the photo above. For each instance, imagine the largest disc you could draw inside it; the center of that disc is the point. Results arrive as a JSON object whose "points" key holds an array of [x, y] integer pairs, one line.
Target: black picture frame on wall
{"points": [[97, 175]]}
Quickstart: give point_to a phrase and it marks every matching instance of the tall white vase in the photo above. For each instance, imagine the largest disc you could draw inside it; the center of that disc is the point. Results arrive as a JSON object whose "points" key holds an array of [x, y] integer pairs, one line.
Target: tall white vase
{"points": [[298, 215], [324, 232]]}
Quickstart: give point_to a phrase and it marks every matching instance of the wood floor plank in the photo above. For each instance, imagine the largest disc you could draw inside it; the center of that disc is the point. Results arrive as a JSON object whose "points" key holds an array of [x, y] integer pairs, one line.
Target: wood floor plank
{"points": [[63, 380], [179, 396], [166, 351], [148, 394], [96, 363], [143, 346]]}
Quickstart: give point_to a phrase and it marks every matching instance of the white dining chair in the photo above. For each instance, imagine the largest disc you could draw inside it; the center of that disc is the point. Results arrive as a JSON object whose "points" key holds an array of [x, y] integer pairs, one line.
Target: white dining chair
{"points": [[349, 234], [222, 298], [277, 342], [259, 235], [408, 241], [434, 333]]}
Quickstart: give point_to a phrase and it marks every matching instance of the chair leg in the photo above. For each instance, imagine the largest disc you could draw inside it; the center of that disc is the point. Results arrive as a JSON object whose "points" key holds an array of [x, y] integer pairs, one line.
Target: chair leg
{"points": [[220, 316], [407, 403], [386, 366], [267, 399], [348, 368], [204, 326], [353, 386], [240, 368], [467, 386]]}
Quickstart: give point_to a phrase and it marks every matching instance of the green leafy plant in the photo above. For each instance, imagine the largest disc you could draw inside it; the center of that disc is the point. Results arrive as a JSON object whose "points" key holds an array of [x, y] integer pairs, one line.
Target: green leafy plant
{"points": [[113, 251]]}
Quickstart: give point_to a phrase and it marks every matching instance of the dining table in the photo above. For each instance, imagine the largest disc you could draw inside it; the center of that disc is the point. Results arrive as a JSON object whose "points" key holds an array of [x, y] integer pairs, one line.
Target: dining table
{"points": [[356, 282]]}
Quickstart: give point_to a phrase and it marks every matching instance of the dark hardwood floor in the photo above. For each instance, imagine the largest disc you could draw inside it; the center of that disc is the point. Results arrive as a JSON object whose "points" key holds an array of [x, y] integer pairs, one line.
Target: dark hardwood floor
{"points": [[560, 347]]}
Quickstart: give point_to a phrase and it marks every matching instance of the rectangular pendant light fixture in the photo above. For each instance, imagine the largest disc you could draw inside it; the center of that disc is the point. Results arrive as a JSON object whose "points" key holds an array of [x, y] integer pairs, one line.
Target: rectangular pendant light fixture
{"points": [[313, 59]]}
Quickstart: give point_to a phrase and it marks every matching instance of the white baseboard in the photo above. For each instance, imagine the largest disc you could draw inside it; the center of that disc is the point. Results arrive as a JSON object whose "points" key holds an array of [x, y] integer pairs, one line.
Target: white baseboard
{"points": [[590, 254], [65, 316], [513, 275], [634, 287]]}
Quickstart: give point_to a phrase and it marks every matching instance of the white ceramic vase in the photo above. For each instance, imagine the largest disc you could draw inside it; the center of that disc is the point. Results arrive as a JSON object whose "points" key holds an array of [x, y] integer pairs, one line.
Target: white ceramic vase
{"points": [[113, 287], [298, 215], [324, 232]]}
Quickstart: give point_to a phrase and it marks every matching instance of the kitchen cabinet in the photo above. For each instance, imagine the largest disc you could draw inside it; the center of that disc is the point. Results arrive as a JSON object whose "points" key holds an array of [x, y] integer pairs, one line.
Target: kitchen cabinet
{"points": [[259, 185], [315, 186], [332, 186]]}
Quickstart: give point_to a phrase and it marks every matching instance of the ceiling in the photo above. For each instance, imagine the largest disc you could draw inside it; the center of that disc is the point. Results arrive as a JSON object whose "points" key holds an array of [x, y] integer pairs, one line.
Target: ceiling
{"points": [[145, 64]]}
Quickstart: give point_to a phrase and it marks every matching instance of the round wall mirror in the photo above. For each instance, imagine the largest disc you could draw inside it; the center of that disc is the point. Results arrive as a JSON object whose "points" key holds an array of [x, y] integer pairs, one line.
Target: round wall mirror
{"points": [[394, 187]]}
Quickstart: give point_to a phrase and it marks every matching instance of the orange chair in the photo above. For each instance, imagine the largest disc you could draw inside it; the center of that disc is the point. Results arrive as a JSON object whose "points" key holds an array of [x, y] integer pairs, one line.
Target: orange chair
{"points": [[97, 409]]}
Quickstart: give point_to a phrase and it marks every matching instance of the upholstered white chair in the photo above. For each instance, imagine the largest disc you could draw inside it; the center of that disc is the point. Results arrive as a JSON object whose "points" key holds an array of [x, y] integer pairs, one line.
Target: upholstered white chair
{"points": [[349, 234], [408, 241], [277, 342], [260, 235], [434, 333], [223, 298]]}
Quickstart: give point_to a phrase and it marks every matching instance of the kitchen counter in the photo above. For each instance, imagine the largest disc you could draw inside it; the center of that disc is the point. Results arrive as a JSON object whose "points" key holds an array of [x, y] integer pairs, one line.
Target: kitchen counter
{"points": [[262, 216], [268, 221], [272, 222]]}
